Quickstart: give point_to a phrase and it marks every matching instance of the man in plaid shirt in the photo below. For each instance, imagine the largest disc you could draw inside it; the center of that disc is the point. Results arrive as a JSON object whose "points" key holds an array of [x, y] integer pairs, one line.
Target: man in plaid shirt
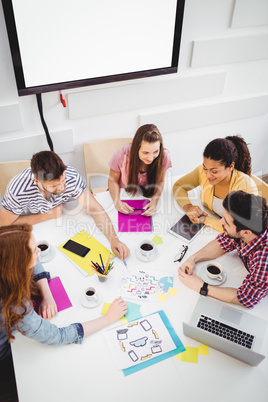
{"points": [[245, 223]]}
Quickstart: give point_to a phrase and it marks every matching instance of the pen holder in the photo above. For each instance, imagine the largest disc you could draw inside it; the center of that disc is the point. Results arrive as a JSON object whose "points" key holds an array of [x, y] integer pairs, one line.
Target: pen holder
{"points": [[101, 277]]}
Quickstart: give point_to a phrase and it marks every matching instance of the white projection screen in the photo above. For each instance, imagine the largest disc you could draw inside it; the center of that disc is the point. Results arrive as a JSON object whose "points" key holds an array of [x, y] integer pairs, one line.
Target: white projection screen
{"points": [[60, 44]]}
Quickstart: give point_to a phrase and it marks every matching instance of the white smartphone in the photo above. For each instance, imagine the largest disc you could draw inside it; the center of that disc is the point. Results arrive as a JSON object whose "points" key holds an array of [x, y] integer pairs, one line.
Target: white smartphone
{"points": [[185, 229]]}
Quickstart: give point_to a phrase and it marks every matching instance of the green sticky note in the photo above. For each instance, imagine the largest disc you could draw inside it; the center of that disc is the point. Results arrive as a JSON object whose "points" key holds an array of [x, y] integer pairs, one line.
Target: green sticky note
{"points": [[157, 240]]}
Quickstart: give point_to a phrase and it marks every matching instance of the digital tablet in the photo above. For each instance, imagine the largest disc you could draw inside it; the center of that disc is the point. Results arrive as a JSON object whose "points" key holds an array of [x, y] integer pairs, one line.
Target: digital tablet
{"points": [[185, 229]]}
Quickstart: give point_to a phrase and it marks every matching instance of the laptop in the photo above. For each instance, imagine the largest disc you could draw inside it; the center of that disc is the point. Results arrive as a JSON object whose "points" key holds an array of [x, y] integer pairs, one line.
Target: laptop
{"points": [[227, 329]]}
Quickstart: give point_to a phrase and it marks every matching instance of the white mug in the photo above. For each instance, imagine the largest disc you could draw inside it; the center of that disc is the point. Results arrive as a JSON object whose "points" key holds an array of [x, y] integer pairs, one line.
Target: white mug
{"points": [[44, 247], [214, 271], [90, 294], [146, 247]]}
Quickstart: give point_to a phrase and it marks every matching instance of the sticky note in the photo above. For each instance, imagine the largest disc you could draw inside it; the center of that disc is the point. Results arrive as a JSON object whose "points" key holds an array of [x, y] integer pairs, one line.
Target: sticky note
{"points": [[172, 291], [202, 350], [162, 297], [157, 240], [190, 355]]}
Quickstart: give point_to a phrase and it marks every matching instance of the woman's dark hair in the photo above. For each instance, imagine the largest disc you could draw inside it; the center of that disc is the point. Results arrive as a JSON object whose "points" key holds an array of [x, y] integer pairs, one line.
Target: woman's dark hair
{"points": [[47, 165], [151, 134], [249, 211], [228, 150]]}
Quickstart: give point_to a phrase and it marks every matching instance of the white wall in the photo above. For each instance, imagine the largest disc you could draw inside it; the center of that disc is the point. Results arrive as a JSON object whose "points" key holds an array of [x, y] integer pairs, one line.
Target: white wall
{"points": [[221, 89]]}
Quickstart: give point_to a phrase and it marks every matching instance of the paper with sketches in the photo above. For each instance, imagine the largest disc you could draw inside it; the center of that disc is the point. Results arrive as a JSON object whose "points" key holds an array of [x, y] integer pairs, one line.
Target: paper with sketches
{"points": [[139, 341], [141, 285]]}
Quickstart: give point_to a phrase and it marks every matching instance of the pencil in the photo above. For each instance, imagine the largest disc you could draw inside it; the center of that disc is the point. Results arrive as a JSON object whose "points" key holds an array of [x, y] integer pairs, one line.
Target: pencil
{"points": [[101, 259]]}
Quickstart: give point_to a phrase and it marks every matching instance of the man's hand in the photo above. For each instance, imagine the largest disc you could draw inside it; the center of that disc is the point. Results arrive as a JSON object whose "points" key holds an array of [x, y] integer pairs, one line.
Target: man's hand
{"points": [[188, 266], [191, 281], [120, 249], [48, 307]]}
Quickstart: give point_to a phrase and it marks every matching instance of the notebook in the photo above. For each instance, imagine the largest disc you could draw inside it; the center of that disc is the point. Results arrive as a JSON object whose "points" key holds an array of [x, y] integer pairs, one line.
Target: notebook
{"points": [[135, 222], [227, 329]]}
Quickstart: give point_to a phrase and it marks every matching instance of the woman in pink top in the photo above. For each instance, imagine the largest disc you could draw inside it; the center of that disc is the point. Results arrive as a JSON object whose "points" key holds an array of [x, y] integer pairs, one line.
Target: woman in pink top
{"points": [[140, 166]]}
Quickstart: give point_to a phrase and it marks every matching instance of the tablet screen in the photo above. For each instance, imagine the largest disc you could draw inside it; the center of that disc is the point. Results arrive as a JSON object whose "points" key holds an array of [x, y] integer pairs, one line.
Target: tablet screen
{"points": [[185, 228]]}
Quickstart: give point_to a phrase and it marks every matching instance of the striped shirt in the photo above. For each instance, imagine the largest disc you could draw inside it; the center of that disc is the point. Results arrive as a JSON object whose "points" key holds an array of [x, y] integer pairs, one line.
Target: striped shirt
{"points": [[255, 258], [23, 196]]}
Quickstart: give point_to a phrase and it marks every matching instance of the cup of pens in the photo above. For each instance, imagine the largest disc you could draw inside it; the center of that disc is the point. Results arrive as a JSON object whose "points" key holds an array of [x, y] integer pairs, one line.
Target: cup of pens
{"points": [[102, 270]]}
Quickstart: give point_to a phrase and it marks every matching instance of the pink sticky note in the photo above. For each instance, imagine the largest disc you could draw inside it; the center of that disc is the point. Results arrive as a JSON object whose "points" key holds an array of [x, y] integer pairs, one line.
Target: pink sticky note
{"points": [[135, 222]]}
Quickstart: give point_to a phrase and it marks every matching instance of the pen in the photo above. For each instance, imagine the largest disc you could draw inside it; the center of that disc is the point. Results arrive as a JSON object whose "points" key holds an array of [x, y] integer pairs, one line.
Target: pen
{"points": [[125, 263]]}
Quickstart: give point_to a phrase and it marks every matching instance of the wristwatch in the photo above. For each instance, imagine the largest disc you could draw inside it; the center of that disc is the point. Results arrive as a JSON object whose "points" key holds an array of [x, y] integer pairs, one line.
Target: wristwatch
{"points": [[204, 289]]}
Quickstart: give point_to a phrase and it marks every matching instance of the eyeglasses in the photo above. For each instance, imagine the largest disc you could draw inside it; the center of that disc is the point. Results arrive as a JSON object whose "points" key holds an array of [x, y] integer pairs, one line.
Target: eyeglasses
{"points": [[181, 253]]}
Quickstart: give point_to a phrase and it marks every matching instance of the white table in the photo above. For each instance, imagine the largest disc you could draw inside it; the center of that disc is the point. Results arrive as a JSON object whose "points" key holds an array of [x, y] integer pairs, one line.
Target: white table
{"points": [[87, 372]]}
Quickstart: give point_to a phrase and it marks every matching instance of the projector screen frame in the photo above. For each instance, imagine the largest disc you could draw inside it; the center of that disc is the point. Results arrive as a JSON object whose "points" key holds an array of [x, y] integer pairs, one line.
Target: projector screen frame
{"points": [[59, 86]]}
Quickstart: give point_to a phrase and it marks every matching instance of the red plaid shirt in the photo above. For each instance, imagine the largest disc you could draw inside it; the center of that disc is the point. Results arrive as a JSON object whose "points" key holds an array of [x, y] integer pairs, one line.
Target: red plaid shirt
{"points": [[255, 258]]}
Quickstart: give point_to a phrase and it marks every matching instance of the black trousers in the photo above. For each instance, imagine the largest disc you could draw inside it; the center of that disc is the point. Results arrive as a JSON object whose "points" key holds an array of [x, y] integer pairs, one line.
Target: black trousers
{"points": [[8, 389]]}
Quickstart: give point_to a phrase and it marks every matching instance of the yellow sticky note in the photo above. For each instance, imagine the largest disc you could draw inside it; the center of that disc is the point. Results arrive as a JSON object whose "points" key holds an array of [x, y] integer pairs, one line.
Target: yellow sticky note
{"points": [[123, 320], [172, 291], [157, 240], [105, 308], [178, 357], [202, 350], [162, 297], [190, 355]]}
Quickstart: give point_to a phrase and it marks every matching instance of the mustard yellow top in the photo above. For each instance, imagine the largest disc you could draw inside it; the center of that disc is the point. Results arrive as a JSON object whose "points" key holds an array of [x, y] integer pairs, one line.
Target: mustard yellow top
{"points": [[239, 181]]}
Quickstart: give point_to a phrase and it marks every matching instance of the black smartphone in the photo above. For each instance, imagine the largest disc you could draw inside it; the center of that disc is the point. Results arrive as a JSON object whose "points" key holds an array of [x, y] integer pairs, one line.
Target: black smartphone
{"points": [[76, 248]]}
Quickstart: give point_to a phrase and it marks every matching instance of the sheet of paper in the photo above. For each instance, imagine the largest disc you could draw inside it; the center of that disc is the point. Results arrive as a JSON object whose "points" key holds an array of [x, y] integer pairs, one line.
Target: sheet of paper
{"points": [[135, 222], [139, 341], [95, 246], [141, 285]]}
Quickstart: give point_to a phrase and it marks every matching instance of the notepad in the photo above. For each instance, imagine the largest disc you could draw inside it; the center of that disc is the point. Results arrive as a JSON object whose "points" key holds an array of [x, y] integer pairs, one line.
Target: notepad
{"points": [[135, 222], [59, 294], [84, 263]]}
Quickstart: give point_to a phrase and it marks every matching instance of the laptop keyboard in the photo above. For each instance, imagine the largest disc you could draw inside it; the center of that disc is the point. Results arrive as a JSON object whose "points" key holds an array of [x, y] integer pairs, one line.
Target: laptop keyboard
{"points": [[225, 331]]}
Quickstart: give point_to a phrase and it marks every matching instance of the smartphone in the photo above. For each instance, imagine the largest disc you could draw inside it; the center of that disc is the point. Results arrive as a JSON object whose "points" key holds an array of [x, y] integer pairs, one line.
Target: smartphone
{"points": [[185, 229], [76, 248]]}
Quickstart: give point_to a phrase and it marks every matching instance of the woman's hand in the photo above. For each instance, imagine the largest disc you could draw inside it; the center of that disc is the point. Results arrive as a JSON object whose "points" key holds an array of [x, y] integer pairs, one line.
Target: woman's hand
{"points": [[195, 214], [48, 307], [119, 248], [117, 310], [150, 208], [124, 208]]}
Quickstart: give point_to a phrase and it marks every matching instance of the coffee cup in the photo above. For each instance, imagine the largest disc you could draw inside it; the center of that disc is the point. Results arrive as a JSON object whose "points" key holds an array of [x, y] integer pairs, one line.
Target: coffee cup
{"points": [[214, 271], [44, 247], [147, 247], [90, 294]]}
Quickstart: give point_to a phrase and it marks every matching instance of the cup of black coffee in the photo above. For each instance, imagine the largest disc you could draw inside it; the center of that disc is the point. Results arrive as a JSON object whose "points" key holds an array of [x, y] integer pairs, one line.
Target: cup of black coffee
{"points": [[90, 294], [44, 247], [214, 271], [146, 247]]}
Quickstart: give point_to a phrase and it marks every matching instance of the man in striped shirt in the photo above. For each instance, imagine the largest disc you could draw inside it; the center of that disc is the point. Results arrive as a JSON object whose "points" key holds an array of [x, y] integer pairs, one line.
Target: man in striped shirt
{"points": [[245, 223], [39, 192]]}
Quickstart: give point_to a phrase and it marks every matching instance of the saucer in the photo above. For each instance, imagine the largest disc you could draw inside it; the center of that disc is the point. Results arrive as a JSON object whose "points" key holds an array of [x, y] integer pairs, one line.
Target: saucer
{"points": [[215, 282], [91, 304], [143, 258], [49, 256]]}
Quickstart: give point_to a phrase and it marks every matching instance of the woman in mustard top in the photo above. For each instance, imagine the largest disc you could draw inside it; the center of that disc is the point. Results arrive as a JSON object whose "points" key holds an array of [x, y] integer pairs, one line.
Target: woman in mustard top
{"points": [[226, 167]]}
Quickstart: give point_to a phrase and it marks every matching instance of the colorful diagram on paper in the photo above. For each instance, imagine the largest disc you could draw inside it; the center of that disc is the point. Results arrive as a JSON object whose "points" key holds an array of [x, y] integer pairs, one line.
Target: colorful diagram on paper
{"points": [[139, 341], [142, 285]]}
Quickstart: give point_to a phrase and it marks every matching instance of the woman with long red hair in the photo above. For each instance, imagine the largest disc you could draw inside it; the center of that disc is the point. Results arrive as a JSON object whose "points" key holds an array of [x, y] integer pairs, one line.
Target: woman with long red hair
{"points": [[21, 276]]}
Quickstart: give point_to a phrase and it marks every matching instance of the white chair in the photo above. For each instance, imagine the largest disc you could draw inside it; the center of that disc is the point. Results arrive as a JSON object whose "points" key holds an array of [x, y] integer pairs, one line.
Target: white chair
{"points": [[97, 155], [261, 186], [8, 170]]}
